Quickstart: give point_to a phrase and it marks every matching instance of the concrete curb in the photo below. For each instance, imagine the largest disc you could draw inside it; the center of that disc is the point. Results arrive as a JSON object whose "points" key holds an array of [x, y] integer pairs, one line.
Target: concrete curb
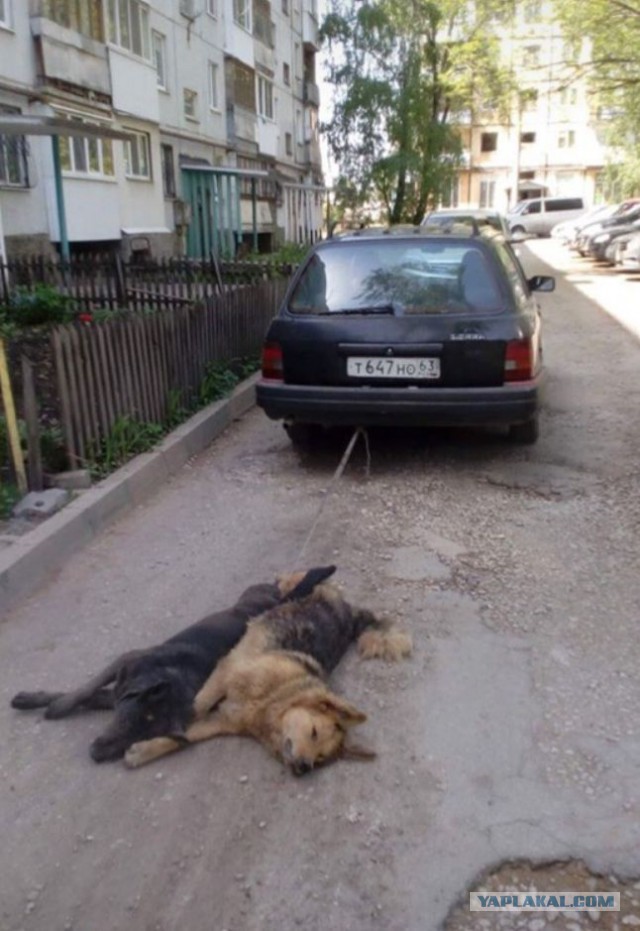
{"points": [[27, 563]]}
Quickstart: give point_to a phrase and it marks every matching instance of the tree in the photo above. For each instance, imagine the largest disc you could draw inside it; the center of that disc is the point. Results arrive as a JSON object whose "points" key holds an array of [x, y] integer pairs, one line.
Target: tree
{"points": [[406, 73], [611, 62]]}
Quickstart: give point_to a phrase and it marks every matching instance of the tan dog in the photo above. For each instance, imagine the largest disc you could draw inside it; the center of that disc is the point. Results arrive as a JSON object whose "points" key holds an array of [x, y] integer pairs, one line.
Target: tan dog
{"points": [[271, 684]]}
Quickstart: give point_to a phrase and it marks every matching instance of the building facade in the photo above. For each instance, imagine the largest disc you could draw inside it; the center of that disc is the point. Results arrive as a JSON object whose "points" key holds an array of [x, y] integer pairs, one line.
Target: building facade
{"points": [[552, 141], [220, 103]]}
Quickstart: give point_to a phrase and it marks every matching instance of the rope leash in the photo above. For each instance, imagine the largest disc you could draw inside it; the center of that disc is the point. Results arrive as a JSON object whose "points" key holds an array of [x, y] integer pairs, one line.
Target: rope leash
{"points": [[359, 431]]}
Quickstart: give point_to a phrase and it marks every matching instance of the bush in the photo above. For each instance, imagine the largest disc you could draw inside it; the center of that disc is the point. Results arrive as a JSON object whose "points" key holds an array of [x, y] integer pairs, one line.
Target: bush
{"points": [[37, 307]]}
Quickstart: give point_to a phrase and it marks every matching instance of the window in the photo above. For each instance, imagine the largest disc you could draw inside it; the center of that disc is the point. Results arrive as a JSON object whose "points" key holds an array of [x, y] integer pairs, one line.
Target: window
{"points": [[288, 143], [566, 139], [527, 138], [487, 193], [244, 86], [168, 171], [529, 99], [212, 8], [531, 56], [262, 25], [159, 45], [532, 12], [190, 103], [242, 13], [265, 97], [564, 203], [86, 155], [136, 157], [86, 18], [214, 103], [286, 74], [488, 142], [13, 157], [299, 128], [569, 96], [129, 26], [4, 14], [285, 7]]}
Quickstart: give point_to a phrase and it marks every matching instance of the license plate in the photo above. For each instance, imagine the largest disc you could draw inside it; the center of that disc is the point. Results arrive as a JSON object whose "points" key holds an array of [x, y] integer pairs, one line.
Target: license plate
{"points": [[377, 367]]}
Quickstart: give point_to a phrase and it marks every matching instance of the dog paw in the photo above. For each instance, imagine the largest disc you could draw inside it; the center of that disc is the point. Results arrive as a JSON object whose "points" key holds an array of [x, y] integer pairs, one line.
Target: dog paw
{"points": [[137, 755], [59, 708]]}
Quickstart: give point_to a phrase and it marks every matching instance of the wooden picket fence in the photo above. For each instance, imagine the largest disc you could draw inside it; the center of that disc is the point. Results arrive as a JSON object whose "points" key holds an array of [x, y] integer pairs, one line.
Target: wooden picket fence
{"points": [[107, 282], [137, 365]]}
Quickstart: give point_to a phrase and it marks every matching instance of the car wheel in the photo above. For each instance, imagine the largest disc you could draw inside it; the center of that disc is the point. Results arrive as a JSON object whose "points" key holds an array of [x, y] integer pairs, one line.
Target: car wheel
{"points": [[302, 435], [525, 433], [518, 229]]}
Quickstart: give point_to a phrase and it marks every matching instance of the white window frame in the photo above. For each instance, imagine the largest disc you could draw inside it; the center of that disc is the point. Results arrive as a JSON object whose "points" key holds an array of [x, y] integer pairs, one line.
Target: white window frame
{"points": [[5, 14], [19, 153], [188, 94], [121, 31], [242, 14], [487, 193], [212, 8], [139, 145], [90, 147], [265, 106], [212, 75], [159, 51]]}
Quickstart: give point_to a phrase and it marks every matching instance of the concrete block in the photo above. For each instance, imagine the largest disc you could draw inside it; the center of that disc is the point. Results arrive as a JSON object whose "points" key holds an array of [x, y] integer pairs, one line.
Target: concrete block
{"points": [[78, 480], [42, 504]]}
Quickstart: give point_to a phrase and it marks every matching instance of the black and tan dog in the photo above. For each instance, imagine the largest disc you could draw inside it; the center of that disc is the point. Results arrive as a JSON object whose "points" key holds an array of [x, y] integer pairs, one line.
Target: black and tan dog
{"points": [[271, 686], [153, 689]]}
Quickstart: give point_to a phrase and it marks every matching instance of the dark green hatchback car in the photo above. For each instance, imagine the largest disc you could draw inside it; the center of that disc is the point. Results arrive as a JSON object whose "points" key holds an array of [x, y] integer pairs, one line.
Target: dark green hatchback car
{"points": [[407, 327]]}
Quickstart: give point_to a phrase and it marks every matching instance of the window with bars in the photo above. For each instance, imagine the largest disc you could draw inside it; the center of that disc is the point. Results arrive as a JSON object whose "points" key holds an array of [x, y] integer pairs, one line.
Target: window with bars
{"points": [[244, 87], [86, 155], [264, 95], [137, 157], [168, 171], [129, 26]]}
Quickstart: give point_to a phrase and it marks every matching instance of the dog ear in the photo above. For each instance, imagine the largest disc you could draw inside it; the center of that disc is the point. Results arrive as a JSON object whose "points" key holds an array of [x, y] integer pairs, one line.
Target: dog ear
{"points": [[350, 751], [348, 715]]}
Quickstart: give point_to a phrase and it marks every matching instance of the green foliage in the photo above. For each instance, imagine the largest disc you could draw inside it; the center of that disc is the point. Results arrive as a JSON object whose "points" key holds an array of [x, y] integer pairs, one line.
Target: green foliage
{"points": [[37, 307], [610, 59], [405, 74], [128, 438], [9, 496], [222, 377]]}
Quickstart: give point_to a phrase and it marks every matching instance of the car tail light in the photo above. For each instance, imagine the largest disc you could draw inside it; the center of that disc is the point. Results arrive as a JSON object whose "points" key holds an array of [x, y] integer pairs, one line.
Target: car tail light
{"points": [[272, 362], [519, 360]]}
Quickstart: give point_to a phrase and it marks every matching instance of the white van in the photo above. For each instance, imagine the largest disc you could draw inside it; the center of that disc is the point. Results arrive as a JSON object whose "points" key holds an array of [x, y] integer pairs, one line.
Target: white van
{"points": [[539, 215]]}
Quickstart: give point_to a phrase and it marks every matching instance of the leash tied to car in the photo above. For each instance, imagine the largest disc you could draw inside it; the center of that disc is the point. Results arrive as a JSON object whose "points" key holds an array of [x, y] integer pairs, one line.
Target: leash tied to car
{"points": [[337, 475]]}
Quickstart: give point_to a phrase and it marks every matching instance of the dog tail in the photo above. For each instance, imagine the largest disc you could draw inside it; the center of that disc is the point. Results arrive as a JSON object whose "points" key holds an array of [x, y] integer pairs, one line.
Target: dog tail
{"points": [[301, 584], [381, 640], [26, 701]]}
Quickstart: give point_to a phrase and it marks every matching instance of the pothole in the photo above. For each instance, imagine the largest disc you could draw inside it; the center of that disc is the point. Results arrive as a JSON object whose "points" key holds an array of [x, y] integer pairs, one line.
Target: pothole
{"points": [[557, 877]]}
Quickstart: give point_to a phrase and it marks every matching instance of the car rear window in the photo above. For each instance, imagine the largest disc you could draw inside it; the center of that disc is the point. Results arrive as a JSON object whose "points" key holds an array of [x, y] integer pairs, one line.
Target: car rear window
{"points": [[422, 277]]}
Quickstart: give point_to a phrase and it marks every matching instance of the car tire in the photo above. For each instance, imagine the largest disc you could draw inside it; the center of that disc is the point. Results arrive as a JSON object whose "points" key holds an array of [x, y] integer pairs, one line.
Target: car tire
{"points": [[518, 229], [525, 433], [302, 435]]}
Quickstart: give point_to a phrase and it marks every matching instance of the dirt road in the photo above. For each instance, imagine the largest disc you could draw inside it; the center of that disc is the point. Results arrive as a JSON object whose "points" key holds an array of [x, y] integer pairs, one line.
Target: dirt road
{"points": [[513, 732]]}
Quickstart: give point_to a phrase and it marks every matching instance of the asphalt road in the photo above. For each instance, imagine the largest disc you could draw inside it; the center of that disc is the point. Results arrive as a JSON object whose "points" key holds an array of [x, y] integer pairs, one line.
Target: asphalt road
{"points": [[513, 732]]}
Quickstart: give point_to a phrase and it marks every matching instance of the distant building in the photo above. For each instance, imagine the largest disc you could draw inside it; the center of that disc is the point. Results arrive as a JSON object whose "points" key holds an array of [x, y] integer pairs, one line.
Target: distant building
{"points": [[221, 103], [552, 141]]}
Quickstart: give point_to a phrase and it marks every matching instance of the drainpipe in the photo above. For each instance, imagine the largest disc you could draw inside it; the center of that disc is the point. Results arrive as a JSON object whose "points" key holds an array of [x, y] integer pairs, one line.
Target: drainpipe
{"points": [[62, 216]]}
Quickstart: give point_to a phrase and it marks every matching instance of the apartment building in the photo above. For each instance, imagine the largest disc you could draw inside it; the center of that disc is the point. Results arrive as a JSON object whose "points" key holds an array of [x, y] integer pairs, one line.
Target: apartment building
{"points": [[218, 102], [552, 142]]}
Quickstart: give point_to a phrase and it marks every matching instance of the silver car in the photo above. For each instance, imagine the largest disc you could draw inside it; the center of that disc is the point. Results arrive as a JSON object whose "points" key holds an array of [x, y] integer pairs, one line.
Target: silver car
{"points": [[539, 215]]}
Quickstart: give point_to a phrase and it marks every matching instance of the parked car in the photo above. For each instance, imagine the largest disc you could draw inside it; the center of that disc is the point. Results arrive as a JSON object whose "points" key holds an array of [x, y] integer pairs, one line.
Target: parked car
{"points": [[596, 244], [616, 248], [447, 216], [416, 327], [566, 230], [630, 257], [622, 213], [539, 215]]}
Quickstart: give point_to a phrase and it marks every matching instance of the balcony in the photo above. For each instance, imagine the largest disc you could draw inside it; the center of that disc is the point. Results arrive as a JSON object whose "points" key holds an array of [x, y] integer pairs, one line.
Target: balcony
{"points": [[311, 94], [68, 57], [242, 127], [310, 31]]}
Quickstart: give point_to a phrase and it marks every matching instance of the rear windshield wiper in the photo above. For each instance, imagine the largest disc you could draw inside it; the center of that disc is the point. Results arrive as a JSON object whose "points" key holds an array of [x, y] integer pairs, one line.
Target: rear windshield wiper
{"points": [[374, 309]]}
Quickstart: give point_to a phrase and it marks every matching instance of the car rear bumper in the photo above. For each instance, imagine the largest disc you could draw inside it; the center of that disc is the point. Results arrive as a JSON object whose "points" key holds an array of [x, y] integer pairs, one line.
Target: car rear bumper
{"points": [[507, 404]]}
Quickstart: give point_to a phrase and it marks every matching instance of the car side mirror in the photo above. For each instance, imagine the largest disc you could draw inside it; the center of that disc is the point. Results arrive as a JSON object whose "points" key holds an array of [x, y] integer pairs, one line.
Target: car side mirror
{"points": [[542, 283]]}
